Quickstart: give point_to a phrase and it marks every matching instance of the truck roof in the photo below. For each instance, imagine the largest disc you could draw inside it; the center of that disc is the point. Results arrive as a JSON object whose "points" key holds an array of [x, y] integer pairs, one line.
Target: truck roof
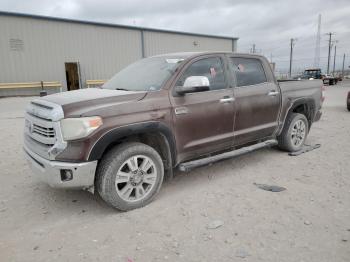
{"points": [[190, 54]]}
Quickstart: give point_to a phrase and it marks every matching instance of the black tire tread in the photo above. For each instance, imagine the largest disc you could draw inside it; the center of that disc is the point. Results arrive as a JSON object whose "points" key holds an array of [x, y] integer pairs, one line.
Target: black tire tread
{"points": [[283, 138], [103, 174]]}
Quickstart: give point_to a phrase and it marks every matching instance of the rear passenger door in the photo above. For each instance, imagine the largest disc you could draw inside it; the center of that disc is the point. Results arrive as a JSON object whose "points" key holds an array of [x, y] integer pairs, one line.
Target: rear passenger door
{"points": [[257, 99]]}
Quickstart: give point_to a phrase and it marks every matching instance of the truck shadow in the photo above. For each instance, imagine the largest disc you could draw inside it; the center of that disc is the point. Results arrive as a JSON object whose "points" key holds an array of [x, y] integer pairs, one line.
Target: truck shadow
{"points": [[85, 203], [76, 202], [217, 170]]}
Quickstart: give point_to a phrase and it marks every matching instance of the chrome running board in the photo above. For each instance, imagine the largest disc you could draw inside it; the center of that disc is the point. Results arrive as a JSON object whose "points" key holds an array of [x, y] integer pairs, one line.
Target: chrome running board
{"points": [[187, 166]]}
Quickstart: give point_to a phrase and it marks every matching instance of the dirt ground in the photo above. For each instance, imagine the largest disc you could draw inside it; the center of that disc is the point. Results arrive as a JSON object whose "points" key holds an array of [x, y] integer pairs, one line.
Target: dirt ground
{"points": [[309, 221]]}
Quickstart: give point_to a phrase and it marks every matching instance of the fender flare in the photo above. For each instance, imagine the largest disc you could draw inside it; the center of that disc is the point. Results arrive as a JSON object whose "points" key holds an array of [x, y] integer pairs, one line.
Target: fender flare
{"points": [[297, 102], [118, 133]]}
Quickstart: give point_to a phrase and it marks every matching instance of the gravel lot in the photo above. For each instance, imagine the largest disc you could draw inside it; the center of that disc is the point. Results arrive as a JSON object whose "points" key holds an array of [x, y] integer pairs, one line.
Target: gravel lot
{"points": [[310, 221]]}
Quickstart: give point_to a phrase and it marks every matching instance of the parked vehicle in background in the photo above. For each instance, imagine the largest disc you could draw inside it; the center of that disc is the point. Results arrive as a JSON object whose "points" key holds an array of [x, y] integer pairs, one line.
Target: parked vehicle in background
{"points": [[180, 110], [339, 77], [313, 73], [316, 73], [329, 79]]}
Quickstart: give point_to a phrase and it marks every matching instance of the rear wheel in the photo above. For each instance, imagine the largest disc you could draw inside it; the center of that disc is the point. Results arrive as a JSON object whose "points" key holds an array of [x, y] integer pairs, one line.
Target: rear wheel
{"points": [[294, 133], [129, 176]]}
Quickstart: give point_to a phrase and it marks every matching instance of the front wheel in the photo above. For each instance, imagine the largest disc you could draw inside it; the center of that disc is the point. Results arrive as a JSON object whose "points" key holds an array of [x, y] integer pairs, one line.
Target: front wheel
{"points": [[294, 133], [129, 176]]}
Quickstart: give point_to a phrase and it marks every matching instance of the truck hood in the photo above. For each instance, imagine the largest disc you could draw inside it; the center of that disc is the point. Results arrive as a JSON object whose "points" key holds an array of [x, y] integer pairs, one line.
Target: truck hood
{"points": [[85, 101]]}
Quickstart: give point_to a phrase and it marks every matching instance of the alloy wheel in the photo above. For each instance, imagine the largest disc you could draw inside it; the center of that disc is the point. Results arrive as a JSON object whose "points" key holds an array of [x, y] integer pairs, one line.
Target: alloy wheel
{"points": [[298, 133], [135, 178]]}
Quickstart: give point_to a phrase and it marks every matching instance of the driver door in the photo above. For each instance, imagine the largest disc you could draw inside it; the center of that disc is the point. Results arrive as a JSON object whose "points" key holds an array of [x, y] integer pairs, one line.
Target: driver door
{"points": [[203, 121]]}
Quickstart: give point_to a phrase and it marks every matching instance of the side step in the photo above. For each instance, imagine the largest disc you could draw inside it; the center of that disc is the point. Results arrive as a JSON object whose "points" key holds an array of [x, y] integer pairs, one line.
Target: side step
{"points": [[187, 166]]}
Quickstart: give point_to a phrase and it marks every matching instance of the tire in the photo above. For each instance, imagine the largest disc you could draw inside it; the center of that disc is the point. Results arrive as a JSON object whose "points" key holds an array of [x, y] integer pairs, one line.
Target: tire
{"points": [[291, 133], [119, 179]]}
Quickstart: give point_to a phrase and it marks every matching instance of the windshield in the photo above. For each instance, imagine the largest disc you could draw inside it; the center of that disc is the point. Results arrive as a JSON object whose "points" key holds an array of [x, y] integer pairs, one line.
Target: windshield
{"points": [[148, 74], [312, 72]]}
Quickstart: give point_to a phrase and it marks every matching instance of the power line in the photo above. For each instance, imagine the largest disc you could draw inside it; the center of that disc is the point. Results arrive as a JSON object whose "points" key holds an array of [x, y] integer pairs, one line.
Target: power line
{"points": [[306, 58]]}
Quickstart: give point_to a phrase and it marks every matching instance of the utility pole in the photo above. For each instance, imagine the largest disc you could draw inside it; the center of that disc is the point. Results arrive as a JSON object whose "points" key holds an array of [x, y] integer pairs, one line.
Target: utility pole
{"points": [[342, 74], [292, 43], [335, 55], [318, 41], [253, 49], [329, 50]]}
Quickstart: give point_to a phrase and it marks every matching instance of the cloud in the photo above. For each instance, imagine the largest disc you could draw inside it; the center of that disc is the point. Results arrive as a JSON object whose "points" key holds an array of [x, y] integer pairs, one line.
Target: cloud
{"points": [[268, 23]]}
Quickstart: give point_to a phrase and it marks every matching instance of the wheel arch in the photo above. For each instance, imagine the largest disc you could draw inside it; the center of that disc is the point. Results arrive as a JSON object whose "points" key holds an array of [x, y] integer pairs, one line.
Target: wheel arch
{"points": [[155, 134], [305, 106]]}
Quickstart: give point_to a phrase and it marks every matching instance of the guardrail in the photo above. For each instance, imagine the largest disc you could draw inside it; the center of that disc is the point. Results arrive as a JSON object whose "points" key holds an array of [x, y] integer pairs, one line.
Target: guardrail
{"points": [[91, 83], [43, 85]]}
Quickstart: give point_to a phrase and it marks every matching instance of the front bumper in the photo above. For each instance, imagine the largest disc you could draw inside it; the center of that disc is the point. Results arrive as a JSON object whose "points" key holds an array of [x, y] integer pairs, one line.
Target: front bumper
{"points": [[53, 172]]}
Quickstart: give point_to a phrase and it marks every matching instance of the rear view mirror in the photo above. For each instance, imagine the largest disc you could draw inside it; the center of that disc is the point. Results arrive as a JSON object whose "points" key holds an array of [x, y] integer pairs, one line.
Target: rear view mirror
{"points": [[193, 84]]}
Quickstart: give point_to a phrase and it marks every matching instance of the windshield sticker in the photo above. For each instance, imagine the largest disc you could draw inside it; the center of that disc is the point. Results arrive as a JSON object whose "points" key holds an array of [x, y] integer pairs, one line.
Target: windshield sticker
{"points": [[212, 72], [240, 68], [174, 60]]}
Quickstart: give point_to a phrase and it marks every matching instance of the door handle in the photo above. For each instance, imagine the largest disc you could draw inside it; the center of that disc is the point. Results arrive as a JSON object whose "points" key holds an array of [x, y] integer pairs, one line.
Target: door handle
{"points": [[272, 93], [227, 100]]}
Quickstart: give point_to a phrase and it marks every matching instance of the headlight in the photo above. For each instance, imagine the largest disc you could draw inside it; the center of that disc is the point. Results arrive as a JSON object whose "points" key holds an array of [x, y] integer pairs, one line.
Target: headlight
{"points": [[75, 128]]}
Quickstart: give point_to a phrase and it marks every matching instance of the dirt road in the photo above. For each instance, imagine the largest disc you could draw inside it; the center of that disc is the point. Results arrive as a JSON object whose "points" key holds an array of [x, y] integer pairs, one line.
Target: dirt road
{"points": [[214, 213]]}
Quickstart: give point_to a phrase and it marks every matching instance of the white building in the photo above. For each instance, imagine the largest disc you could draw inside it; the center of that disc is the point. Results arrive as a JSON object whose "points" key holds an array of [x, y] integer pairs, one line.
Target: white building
{"points": [[69, 54]]}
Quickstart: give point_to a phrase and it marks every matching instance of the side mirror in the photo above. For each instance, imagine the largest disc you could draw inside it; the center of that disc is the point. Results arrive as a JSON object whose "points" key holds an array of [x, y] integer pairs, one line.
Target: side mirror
{"points": [[193, 84]]}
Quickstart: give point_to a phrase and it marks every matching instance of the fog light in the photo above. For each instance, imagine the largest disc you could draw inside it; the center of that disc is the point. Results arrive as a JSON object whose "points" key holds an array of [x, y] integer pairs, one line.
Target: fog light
{"points": [[66, 175]]}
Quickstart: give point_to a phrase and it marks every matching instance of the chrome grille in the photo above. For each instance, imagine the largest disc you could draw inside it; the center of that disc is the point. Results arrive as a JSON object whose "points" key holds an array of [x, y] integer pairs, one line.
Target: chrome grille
{"points": [[40, 125], [43, 131]]}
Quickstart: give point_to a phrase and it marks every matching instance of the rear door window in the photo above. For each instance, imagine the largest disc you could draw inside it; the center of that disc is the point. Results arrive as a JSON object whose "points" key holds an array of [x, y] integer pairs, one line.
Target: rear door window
{"points": [[210, 67], [248, 71]]}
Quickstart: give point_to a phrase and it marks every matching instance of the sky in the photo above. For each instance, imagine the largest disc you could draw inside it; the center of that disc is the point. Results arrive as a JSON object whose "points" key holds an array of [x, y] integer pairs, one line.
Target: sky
{"points": [[269, 24]]}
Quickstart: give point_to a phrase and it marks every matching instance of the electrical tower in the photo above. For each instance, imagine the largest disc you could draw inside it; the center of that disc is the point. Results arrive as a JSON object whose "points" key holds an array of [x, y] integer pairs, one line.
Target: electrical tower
{"points": [[292, 43], [335, 55], [318, 42], [330, 44]]}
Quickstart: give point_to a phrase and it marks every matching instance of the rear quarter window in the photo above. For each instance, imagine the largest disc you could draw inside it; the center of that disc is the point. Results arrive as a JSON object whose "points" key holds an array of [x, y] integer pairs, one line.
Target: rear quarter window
{"points": [[248, 71]]}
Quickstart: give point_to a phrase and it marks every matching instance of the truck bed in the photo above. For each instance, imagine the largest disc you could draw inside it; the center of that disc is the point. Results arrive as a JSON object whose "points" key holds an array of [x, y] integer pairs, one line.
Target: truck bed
{"points": [[293, 90]]}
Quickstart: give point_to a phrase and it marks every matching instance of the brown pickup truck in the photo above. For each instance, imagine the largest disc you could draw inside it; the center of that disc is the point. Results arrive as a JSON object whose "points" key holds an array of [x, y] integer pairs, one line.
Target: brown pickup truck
{"points": [[180, 110]]}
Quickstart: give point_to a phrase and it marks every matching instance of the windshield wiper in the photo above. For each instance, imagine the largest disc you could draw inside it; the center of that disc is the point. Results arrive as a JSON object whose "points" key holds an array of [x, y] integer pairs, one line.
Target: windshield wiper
{"points": [[123, 89]]}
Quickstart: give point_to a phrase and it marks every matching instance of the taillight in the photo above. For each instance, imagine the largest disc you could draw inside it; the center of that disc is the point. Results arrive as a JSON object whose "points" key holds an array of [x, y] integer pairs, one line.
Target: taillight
{"points": [[323, 97]]}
